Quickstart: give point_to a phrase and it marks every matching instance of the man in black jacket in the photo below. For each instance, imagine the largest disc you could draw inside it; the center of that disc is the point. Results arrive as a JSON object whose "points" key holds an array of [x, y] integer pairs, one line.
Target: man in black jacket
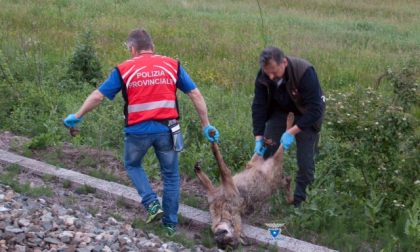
{"points": [[283, 85]]}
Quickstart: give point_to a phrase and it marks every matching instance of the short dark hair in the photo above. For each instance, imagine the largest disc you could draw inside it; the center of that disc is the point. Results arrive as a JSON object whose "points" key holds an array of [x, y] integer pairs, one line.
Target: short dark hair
{"points": [[140, 40], [269, 53]]}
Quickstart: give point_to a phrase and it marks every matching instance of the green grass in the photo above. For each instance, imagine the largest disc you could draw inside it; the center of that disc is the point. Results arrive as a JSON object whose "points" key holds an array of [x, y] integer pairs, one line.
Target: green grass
{"points": [[70, 201], [158, 230], [191, 200], [10, 178], [49, 178], [121, 203], [85, 189], [87, 161], [117, 216], [104, 174], [54, 158], [93, 210], [219, 41], [66, 184]]}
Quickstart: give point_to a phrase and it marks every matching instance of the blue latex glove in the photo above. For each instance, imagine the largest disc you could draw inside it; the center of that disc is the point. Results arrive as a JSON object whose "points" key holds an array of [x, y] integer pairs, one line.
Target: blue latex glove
{"points": [[287, 140], [259, 147], [207, 131], [71, 121]]}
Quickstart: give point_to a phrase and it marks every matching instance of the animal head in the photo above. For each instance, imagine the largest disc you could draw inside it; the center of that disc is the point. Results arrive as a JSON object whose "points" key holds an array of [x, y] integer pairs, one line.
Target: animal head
{"points": [[226, 206], [226, 219]]}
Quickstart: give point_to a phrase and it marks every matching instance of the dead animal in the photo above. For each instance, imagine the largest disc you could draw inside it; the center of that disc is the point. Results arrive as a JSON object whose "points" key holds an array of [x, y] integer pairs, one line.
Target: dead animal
{"points": [[238, 194]]}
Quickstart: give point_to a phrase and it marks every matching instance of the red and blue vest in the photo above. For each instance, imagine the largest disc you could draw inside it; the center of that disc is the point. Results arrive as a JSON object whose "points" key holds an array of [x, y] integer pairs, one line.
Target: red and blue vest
{"points": [[149, 88]]}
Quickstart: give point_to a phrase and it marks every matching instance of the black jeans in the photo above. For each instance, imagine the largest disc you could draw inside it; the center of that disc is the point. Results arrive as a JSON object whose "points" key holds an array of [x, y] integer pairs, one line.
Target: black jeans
{"points": [[306, 142]]}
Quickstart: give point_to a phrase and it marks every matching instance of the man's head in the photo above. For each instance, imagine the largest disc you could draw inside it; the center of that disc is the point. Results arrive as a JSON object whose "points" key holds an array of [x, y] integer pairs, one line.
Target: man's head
{"points": [[273, 63], [139, 40]]}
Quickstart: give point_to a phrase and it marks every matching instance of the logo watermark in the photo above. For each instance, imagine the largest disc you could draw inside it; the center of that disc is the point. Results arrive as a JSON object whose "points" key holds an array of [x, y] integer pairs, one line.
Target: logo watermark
{"points": [[274, 230]]}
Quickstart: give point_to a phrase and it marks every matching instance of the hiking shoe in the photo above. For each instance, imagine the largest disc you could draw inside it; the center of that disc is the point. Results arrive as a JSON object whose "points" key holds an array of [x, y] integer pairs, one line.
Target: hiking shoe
{"points": [[154, 212], [169, 230]]}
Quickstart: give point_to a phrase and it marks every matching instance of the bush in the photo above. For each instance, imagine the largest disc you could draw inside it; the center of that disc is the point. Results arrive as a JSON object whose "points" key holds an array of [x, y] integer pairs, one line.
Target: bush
{"points": [[35, 111], [367, 174], [84, 66], [378, 144], [42, 141]]}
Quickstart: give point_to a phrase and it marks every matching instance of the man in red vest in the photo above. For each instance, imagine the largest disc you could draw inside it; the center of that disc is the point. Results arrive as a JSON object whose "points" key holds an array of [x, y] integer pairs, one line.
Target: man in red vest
{"points": [[149, 83]]}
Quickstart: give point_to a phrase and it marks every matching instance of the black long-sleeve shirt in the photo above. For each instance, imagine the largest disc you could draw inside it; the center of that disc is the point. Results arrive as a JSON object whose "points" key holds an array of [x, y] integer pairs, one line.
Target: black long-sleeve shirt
{"points": [[310, 91]]}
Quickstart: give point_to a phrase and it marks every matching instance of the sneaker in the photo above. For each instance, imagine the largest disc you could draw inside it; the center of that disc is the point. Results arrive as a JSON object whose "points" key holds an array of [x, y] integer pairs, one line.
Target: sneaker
{"points": [[154, 212], [169, 230]]}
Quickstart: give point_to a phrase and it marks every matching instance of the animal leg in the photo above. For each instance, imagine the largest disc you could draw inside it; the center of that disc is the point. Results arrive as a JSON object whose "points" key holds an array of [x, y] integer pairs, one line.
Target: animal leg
{"points": [[287, 185], [254, 162], [290, 120], [205, 181], [278, 156], [225, 172], [257, 160]]}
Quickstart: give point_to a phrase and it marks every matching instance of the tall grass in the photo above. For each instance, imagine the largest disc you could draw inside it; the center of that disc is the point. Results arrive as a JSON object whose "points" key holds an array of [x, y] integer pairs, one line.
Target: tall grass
{"points": [[219, 41]]}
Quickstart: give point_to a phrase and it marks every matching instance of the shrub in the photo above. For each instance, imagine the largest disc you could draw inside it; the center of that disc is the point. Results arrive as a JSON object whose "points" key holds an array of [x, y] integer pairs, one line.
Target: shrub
{"points": [[84, 66], [367, 173], [378, 143], [42, 141], [35, 111]]}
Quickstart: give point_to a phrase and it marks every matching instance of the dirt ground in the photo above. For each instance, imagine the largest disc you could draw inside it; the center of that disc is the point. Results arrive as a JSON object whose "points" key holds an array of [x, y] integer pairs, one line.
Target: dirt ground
{"points": [[87, 160]]}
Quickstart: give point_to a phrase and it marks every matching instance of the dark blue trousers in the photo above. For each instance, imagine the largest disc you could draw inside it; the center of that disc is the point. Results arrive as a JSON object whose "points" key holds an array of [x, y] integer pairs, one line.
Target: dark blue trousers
{"points": [[306, 142]]}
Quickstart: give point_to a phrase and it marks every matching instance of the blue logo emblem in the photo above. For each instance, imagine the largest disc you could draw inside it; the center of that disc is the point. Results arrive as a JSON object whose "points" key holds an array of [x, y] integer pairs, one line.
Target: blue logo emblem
{"points": [[274, 232]]}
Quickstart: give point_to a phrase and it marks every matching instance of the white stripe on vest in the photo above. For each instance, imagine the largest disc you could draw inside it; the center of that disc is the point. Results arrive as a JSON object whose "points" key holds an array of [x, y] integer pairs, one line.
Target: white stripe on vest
{"points": [[151, 105]]}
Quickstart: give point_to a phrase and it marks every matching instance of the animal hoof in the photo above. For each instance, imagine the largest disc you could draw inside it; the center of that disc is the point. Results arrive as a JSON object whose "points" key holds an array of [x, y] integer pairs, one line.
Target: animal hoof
{"points": [[197, 167]]}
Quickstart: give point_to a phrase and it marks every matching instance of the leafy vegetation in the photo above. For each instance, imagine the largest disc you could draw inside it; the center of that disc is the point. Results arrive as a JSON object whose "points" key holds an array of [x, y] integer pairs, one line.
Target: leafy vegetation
{"points": [[84, 65], [367, 188], [367, 182]]}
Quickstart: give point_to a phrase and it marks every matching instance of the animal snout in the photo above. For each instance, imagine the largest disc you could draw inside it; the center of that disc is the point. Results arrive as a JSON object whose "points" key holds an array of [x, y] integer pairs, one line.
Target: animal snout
{"points": [[220, 234], [224, 240]]}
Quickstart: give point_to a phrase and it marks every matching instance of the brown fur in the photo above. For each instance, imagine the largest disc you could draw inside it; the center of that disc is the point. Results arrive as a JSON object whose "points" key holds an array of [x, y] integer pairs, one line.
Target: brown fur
{"points": [[241, 193]]}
